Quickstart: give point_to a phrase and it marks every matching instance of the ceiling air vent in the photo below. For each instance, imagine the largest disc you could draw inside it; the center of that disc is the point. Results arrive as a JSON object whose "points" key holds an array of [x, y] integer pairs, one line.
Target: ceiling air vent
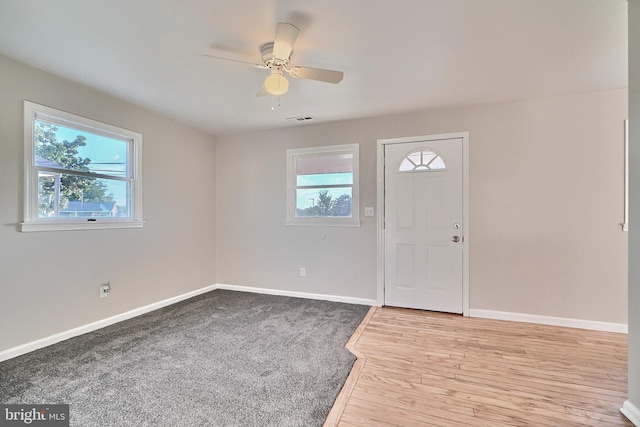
{"points": [[299, 119]]}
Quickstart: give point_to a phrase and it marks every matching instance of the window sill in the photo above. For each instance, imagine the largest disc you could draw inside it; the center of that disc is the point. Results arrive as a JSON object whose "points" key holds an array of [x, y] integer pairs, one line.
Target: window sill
{"points": [[28, 227]]}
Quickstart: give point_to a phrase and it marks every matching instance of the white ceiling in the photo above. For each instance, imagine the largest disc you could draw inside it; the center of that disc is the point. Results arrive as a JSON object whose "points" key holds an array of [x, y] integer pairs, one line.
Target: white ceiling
{"points": [[397, 55]]}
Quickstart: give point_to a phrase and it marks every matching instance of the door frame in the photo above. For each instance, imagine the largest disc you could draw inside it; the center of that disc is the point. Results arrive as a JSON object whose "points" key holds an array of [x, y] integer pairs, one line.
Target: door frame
{"points": [[465, 209]]}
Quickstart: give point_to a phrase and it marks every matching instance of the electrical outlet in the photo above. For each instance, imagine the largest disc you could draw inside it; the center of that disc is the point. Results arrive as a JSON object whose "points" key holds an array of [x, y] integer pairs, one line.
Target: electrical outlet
{"points": [[105, 288], [303, 271]]}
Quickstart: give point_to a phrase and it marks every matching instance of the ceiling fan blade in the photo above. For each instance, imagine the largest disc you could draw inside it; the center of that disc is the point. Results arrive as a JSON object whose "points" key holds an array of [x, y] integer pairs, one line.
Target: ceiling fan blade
{"points": [[235, 60], [262, 91], [286, 35], [328, 76]]}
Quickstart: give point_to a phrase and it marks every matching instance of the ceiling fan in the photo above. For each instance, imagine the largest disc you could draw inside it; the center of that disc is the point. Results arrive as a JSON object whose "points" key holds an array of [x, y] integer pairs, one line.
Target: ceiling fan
{"points": [[276, 56]]}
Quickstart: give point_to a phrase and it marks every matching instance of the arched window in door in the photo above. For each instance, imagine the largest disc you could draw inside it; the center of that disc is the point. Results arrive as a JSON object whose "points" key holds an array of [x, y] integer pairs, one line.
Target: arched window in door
{"points": [[422, 160]]}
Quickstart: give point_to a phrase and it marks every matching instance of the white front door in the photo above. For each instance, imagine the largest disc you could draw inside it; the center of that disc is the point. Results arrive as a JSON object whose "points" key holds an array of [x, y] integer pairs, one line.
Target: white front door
{"points": [[423, 220]]}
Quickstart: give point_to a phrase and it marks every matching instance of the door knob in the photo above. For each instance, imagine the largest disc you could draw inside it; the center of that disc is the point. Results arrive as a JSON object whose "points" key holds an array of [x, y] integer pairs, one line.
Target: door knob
{"points": [[455, 239]]}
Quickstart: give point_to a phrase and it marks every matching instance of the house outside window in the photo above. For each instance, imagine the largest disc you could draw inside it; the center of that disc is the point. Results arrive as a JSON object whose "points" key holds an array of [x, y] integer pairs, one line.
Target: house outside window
{"points": [[323, 186], [79, 173]]}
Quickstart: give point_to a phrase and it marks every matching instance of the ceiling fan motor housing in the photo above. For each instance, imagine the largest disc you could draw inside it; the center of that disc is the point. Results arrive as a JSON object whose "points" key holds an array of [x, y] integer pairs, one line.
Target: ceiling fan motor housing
{"points": [[267, 52], [267, 56]]}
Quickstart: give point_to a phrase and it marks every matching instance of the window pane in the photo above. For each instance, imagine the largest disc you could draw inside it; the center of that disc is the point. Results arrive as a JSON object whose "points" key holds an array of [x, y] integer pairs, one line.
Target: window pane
{"points": [[437, 163], [67, 148], [318, 202], [46, 194], [415, 158], [325, 179], [69, 195]]}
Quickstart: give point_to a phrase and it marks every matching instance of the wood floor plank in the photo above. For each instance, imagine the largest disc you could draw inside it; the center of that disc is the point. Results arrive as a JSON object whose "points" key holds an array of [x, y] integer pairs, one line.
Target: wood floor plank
{"points": [[419, 368], [506, 403]]}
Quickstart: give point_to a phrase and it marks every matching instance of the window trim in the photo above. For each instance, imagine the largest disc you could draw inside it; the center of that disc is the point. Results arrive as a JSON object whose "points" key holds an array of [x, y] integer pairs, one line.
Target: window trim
{"points": [[31, 220], [292, 155]]}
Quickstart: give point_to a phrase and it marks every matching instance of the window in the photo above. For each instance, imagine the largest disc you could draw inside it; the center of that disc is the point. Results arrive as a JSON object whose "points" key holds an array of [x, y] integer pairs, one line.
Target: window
{"points": [[422, 160], [79, 173], [323, 186]]}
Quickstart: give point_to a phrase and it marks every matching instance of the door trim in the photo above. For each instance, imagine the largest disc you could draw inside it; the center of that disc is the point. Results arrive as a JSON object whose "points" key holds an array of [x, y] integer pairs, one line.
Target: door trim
{"points": [[465, 209]]}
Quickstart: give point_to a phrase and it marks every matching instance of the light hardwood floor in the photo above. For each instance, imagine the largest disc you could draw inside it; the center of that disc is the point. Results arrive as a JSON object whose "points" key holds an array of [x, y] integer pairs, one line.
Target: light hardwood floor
{"points": [[418, 368]]}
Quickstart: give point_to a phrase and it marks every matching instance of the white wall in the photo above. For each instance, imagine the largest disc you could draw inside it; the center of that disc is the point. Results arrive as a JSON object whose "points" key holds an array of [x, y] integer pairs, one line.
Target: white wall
{"points": [[49, 280], [546, 202], [634, 193]]}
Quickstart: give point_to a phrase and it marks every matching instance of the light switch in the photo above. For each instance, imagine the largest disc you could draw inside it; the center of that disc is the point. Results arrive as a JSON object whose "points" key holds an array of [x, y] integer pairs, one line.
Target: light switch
{"points": [[368, 211]]}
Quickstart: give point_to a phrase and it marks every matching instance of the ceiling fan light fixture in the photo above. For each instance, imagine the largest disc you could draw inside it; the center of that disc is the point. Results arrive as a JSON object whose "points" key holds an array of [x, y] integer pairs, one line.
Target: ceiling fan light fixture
{"points": [[276, 84]]}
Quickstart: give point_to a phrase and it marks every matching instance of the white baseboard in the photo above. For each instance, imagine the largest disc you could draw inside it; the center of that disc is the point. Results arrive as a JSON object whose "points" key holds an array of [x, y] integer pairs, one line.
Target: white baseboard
{"points": [[548, 320], [44, 342], [632, 412], [334, 298]]}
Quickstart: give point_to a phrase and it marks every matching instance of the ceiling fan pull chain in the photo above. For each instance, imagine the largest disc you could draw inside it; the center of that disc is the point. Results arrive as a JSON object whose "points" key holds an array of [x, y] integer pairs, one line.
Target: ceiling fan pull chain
{"points": [[276, 104]]}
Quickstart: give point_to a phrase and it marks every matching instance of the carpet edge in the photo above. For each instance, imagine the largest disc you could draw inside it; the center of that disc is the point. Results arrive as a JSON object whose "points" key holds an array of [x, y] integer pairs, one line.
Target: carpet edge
{"points": [[335, 413]]}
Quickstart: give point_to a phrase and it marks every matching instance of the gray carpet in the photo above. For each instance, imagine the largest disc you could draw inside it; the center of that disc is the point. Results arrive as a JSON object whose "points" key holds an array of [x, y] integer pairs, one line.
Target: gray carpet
{"points": [[220, 359]]}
